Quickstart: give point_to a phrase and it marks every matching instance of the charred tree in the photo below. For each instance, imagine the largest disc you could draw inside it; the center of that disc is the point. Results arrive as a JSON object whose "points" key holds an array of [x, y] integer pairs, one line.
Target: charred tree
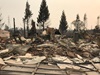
{"points": [[32, 32]]}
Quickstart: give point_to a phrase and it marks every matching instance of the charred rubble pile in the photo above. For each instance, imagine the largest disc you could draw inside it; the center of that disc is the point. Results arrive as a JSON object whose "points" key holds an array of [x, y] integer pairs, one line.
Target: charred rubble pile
{"points": [[62, 46], [57, 48]]}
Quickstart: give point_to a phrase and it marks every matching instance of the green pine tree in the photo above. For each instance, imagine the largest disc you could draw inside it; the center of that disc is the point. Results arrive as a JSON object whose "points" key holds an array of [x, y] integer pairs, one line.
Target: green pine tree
{"points": [[28, 14], [63, 24], [43, 14]]}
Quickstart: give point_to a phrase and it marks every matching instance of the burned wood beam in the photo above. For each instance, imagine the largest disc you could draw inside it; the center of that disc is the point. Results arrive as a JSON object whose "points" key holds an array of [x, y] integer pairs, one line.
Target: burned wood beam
{"points": [[10, 74], [86, 68], [15, 71], [48, 73], [64, 70], [34, 72], [86, 63], [22, 66], [75, 70], [95, 67]]}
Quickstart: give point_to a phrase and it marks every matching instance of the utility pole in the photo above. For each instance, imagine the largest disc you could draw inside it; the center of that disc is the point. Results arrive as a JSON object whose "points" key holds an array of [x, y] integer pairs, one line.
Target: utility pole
{"points": [[14, 24], [91, 27], [9, 22], [85, 20], [98, 21], [14, 34], [24, 27]]}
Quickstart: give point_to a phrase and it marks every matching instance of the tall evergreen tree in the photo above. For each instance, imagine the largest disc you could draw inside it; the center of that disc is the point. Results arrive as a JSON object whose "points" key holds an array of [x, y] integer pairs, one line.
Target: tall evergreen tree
{"points": [[43, 14], [28, 14], [63, 24]]}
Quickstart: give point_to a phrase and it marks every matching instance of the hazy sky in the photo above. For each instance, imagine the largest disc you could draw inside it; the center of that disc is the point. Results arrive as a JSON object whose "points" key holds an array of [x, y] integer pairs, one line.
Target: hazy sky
{"points": [[16, 9]]}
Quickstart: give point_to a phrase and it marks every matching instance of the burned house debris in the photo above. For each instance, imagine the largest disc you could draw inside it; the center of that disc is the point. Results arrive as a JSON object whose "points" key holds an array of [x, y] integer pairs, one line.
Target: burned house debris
{"points": [[50, 51], [63, 57], [50, 54]]}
